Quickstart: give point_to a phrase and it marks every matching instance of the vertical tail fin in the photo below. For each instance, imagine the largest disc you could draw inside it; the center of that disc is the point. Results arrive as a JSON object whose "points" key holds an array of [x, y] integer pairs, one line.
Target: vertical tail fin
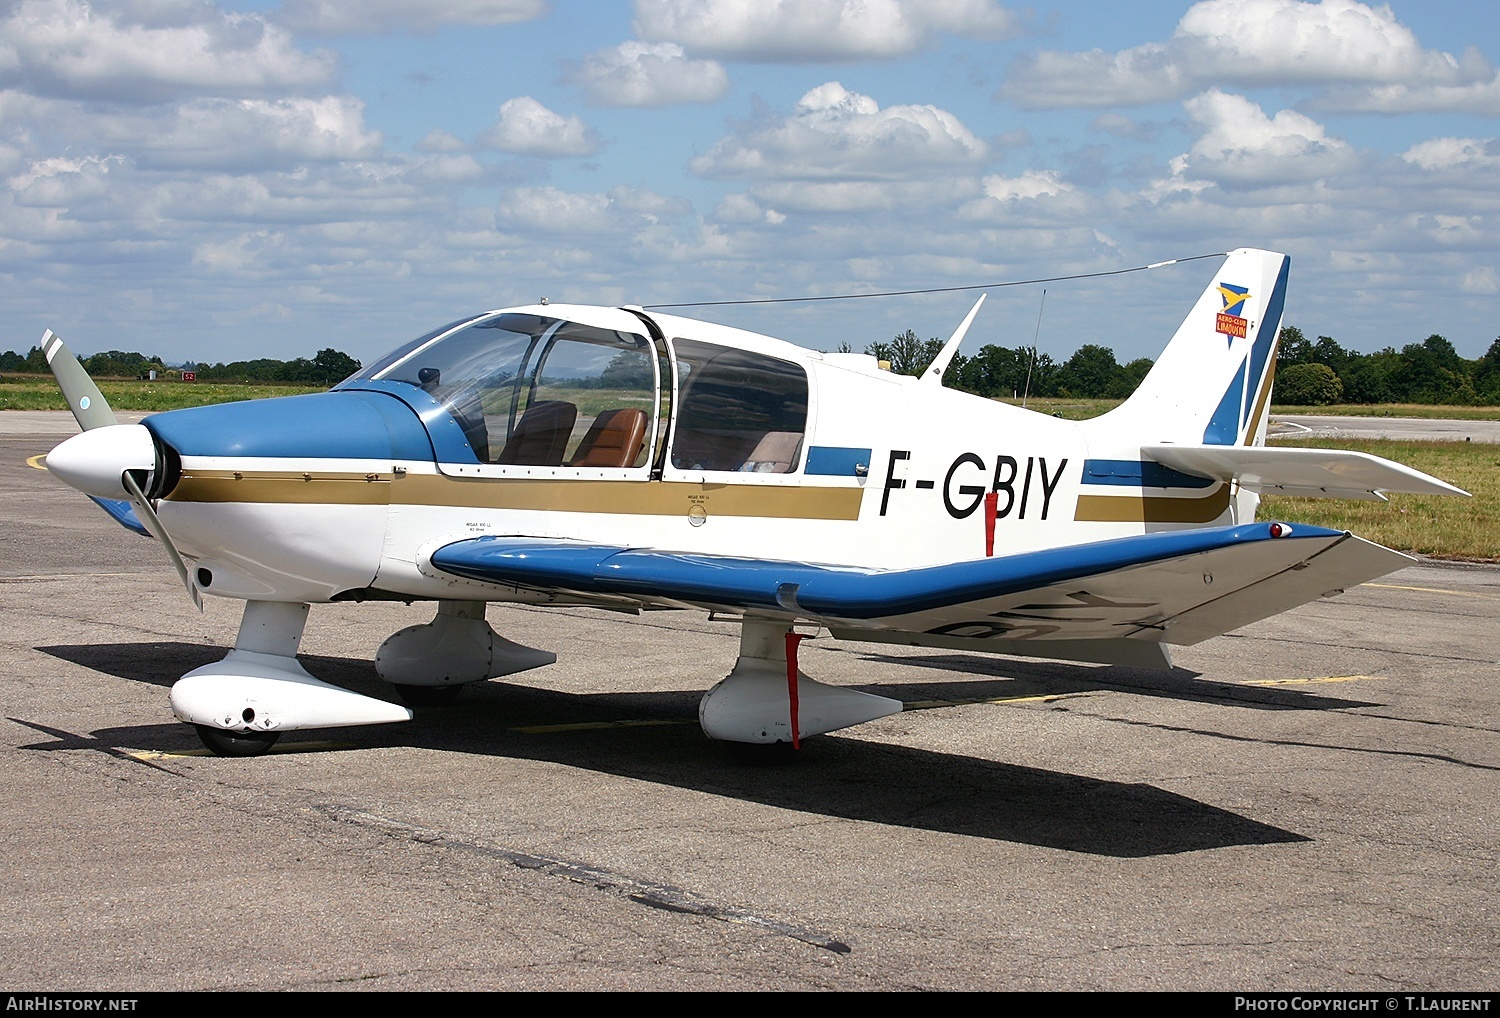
{"points": [[1212, 384]]}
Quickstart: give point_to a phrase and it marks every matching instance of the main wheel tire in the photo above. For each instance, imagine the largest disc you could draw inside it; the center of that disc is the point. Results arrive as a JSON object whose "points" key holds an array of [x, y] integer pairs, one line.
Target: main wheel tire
{"points": [[429, 696], [225, 743]]}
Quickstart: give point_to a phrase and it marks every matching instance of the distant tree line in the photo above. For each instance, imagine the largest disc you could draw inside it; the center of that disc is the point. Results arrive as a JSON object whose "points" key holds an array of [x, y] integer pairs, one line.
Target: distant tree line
{"points": [[1322, 371], [997, 371], [328, 367], [1307, 373]]}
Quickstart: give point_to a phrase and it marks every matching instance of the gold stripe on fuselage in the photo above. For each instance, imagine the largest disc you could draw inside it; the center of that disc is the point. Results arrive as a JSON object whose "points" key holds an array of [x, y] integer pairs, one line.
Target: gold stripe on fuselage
{"points": [[1152, 508], [293, 489], [628, 497]]}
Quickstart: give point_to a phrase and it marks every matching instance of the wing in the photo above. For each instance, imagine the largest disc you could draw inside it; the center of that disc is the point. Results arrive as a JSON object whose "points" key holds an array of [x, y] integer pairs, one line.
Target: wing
{"points": [[1116, 601], [121, 512]]}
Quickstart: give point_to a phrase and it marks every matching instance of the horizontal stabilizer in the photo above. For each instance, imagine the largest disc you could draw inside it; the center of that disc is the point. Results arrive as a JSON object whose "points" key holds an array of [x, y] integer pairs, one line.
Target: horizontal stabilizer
{"points": [[1311, 473]]}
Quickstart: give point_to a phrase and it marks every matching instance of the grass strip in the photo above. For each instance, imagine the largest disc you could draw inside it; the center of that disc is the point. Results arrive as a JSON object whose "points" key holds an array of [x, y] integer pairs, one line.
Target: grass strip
{"points": [[1440, 526]]}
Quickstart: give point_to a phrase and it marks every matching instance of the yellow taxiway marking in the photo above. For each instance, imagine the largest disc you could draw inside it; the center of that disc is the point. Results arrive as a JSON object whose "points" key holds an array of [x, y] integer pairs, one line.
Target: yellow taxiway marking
{"points": [[1042, 698], [1431, 590], [1309, 682], [39, 461]]}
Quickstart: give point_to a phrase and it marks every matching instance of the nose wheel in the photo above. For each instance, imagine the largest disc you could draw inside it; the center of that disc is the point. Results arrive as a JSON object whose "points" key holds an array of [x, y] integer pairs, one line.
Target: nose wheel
{"points": [[226, 743]]}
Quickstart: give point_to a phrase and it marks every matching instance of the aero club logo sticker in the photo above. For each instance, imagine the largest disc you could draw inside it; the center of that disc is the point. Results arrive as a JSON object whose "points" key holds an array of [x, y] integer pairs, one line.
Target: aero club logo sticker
{"points": [[1231, 322]]}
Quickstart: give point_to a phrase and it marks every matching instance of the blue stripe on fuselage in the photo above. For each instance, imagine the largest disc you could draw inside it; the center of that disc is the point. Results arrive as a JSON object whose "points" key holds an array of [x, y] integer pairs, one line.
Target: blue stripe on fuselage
{"points": [[1140, 474], [837, 461]]}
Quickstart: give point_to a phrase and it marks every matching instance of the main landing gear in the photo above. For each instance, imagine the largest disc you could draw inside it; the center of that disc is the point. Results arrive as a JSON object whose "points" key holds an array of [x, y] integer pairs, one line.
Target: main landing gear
{"points": [[768, 701], [430, 664], [241, 705]]}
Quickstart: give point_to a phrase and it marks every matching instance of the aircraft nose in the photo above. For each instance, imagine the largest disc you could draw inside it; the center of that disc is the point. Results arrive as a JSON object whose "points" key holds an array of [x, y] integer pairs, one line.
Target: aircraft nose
{"points": [[94, 461]]}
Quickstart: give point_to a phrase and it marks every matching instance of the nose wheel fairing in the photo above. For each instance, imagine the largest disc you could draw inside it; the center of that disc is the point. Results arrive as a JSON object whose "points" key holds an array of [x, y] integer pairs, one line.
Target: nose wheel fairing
{"points": [[260, 690]]}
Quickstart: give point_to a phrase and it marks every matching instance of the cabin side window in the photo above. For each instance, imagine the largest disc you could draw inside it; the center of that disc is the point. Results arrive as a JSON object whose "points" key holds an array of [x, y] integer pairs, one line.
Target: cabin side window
{"points": [[737, 411]]}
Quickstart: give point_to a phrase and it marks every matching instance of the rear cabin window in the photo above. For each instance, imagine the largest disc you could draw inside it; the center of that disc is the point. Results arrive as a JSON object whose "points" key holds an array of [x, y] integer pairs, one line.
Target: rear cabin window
{"points": [[737, 411]]}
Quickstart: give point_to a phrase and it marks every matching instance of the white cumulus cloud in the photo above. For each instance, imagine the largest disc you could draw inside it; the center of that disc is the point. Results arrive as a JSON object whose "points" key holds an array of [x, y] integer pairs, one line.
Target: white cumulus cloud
{"points": [[1032, 184], [1240, 145], [837, 134], [150, 52], [1455, 153], [555, 211], [805, 30], [526, 127], [1355, 50], [649, 74], [258, 133]]}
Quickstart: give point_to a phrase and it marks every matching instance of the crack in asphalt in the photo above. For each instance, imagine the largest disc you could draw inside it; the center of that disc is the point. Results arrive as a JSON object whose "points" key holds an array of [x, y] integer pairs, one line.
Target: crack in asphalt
{"points": [[653, 895]]}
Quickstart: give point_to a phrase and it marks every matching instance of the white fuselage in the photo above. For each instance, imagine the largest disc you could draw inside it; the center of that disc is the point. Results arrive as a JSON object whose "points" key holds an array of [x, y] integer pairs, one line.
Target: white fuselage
{"points": [[919, 475]]}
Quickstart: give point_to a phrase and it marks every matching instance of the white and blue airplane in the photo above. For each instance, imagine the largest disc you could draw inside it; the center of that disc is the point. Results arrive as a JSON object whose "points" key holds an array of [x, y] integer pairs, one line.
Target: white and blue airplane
{"points": [[600, 456]]}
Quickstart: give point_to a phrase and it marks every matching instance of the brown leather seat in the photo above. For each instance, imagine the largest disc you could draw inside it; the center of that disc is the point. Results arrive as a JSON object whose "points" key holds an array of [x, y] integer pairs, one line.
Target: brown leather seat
{"points": [[775, 453], [541, 436], [613, 440]]}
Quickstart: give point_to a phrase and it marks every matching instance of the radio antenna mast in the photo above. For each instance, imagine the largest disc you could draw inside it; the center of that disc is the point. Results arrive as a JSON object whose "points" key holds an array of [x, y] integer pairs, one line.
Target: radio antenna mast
{"points": [[1026, 394]]}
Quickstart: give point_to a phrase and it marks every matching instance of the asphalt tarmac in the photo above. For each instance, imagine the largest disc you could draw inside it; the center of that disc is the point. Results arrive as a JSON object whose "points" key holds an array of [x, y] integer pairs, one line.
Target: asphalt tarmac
{"points": [[1310, 803], [1401, 429]]}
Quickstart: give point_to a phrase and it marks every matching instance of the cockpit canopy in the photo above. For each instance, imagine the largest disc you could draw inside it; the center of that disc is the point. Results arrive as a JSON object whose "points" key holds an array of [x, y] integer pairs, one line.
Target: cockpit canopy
{"points": [[529, 390], [533, 390]]}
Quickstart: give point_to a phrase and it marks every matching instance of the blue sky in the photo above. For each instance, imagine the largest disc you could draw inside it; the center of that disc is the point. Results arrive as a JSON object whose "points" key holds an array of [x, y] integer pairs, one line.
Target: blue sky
{"points": [[227, 180]]}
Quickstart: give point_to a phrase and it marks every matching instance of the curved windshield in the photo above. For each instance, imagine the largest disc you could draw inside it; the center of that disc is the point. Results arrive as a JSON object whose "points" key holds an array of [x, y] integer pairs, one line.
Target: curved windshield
{"points": [[376, 369], [537, 391]]}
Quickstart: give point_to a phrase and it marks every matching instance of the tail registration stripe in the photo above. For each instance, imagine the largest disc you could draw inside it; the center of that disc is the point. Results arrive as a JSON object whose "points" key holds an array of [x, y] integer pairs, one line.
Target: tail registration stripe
{"points": [[1152, 509]]}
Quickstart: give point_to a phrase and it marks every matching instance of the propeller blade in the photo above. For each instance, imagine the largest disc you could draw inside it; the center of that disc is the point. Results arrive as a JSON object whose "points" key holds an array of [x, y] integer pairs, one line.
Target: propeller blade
{"points": [[89, 407], [91, 410], [153, 523]]}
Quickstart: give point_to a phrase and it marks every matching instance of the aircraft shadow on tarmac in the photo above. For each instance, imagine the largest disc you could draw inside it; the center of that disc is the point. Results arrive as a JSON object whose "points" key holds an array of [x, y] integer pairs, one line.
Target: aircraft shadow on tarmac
{"points": [[655, 737], [1022, 678]]}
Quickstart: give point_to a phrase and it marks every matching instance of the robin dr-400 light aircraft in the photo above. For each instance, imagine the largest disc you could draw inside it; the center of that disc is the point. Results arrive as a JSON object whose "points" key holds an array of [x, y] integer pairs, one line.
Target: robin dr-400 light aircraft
{"points": [[574, 455]]}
